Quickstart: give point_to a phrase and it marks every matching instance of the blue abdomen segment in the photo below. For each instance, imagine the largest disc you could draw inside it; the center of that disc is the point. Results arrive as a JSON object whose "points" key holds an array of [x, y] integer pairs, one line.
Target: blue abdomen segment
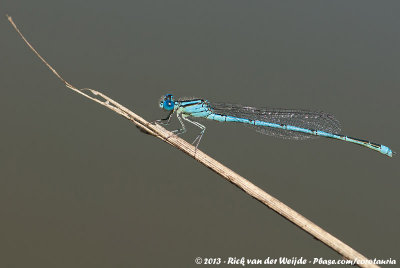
{"points": [[374, 146], [386, 150], [283, 121]]}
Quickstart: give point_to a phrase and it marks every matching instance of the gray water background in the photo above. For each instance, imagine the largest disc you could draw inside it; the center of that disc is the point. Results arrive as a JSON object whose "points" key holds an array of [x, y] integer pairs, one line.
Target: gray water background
{"points": [[82, 187]]}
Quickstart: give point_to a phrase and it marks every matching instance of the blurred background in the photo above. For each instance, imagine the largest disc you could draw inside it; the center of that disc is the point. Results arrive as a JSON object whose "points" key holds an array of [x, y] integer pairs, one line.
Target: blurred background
{"points": [[81, 187]]}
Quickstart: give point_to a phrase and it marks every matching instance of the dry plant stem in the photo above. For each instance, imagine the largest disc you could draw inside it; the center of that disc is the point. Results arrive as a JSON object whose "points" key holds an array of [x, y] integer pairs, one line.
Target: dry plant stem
{"points": [[251, 189]]}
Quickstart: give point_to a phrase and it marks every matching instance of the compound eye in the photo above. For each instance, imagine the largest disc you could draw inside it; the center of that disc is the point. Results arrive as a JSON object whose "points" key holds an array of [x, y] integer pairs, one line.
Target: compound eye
{"points": [[168, 105], [167, 102]]}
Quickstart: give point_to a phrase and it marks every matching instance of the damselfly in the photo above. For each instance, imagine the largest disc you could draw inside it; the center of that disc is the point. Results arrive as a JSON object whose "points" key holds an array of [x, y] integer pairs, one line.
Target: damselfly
{"points": [[283, 123]]}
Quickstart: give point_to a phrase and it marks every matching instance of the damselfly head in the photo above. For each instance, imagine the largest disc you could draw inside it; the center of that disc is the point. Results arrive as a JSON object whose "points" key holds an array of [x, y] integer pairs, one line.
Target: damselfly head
{"points": [[167, 102]]}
